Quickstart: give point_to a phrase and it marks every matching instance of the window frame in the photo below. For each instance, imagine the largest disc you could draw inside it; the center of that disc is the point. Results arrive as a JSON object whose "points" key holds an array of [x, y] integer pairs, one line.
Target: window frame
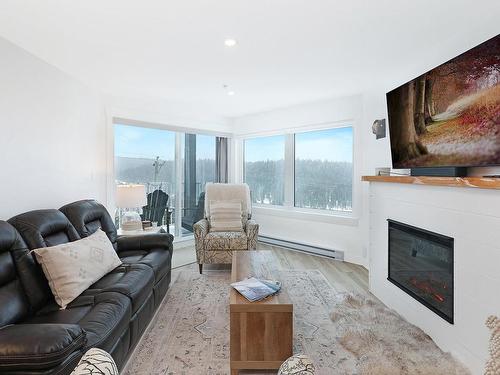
{"points": [[288, 207]]}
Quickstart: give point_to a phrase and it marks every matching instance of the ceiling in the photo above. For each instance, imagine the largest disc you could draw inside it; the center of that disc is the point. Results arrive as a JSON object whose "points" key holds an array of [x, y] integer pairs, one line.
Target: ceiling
{"points": [[288, 51]]}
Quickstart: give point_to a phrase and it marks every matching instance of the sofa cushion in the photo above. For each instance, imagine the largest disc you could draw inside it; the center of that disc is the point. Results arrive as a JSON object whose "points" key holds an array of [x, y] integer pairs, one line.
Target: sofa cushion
{"points": [[14, 305], [72, 267], [225, 241], [38, 347], [104, 317], [43, 228], [135, 281], [89, 215], [39, 228], [159, 260]]}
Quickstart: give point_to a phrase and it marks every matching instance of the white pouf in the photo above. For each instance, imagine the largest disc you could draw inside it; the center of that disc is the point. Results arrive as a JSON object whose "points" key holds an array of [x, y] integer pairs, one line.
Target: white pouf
{"points": [[298, 364], [96, 361]]}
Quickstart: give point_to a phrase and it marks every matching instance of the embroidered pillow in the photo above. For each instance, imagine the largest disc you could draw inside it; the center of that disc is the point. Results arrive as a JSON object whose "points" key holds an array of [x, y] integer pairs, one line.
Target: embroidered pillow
{"points": [[72, 267], [225, 216]]}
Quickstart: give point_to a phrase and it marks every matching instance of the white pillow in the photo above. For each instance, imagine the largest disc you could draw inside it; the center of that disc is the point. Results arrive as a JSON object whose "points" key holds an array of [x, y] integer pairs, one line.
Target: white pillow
{"points": [[72, 267], [225, 216]]}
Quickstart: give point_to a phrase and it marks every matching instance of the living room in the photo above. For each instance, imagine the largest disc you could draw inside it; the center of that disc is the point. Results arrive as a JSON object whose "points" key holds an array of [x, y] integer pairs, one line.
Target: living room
{"points": [[133, 127]]}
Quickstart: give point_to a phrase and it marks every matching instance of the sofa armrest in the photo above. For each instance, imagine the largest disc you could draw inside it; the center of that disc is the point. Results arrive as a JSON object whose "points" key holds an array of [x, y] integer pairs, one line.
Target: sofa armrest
{"points": [[145, 242], [38, 346], [252, 232]]}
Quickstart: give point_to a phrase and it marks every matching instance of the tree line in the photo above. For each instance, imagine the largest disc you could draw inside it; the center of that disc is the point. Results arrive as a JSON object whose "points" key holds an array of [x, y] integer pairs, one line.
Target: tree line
{"points": [[318, 183]]}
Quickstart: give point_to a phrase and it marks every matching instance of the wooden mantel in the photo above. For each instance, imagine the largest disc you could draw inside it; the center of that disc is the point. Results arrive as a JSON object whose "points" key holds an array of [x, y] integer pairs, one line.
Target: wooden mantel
{"points": [[468, 182]]}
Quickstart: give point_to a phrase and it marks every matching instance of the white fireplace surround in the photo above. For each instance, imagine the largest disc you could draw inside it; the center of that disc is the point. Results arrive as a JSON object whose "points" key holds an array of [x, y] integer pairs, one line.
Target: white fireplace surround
{"points": [[472, 218]]}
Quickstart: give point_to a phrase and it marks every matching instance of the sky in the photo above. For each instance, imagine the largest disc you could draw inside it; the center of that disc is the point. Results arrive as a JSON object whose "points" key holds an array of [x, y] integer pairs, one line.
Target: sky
{"points": [[139, 142], [331, 144]]}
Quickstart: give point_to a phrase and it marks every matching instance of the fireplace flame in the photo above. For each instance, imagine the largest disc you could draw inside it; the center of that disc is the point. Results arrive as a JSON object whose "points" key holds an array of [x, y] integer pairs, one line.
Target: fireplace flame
{"points": [[427, 287]]}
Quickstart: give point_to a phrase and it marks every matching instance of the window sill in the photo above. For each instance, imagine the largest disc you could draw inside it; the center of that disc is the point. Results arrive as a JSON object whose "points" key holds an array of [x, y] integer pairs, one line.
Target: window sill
{"points": [[299, 214]]}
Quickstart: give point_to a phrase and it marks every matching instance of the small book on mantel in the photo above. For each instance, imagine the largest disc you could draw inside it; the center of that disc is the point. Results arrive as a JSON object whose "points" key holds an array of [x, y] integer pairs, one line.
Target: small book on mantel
{"points": [[254, 289]]}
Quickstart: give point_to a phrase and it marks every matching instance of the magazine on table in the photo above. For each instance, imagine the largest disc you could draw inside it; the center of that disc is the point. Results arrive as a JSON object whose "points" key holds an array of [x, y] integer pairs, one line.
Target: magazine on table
{"points": [[254, 289]]}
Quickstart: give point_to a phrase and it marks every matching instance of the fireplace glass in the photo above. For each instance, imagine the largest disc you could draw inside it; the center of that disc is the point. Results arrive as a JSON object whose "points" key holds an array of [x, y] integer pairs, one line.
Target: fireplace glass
{"points": [[421, 264]]}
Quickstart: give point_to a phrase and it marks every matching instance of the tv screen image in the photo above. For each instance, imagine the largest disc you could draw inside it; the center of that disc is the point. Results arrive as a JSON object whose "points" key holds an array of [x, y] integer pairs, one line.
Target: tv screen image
{"points": [[449, 116]]}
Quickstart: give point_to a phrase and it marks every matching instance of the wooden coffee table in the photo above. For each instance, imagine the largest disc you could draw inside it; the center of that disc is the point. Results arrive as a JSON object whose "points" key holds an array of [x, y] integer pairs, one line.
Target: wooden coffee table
{"points": [[261, 332]]}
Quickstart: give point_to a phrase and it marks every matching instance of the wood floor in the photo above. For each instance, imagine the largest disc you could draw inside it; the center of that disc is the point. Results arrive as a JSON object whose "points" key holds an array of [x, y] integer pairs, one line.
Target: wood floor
{"points": [[344, 276]]}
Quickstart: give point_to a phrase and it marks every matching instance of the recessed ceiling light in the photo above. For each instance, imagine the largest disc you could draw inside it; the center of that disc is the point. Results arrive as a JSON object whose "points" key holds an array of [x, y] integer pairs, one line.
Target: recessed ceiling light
{"points": [[231, 93], [230, 42]]}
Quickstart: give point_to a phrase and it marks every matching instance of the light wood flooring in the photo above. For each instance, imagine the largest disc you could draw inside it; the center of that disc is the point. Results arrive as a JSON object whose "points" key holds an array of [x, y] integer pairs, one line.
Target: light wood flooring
{"points": [[344, 276]]}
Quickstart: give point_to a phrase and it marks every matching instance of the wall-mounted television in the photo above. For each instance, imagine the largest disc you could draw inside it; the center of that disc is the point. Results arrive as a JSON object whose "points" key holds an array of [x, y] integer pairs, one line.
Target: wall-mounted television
{"points": [[449, 116]]}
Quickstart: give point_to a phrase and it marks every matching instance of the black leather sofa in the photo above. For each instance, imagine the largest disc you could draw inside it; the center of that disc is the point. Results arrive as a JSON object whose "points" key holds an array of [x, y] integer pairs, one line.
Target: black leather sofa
{"points": [[36, 336]]}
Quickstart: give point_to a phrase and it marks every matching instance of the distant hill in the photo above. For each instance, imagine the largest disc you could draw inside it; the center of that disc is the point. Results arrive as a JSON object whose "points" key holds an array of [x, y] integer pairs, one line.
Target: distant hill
{"points": [[141, 171]]}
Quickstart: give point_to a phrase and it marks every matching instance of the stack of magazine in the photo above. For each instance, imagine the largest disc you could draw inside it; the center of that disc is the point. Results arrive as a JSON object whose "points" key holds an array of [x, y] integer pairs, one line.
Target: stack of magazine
{"points": [[254, 289]]}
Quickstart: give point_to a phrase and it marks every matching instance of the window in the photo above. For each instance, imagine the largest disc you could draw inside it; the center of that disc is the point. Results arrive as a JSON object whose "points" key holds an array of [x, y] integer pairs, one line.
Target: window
{"points": [[145, 156], [308, 170], [265, 169], [323, 169], [176, 163]]}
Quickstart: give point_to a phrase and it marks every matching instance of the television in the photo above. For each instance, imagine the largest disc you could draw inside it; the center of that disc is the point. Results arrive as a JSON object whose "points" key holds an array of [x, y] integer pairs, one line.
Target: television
{"points": [[450, 115]]}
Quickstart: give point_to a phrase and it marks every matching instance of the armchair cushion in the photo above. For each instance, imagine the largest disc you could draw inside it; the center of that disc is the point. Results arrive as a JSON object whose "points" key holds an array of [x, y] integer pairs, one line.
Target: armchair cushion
{"points": [[38, 346], [226, 241], [225, 216], [228, 192]]}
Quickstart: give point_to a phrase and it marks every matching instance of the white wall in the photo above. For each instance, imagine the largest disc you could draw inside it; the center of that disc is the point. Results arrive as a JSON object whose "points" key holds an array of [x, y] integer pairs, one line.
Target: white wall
{"points": [[52, 142], [319, 230]]}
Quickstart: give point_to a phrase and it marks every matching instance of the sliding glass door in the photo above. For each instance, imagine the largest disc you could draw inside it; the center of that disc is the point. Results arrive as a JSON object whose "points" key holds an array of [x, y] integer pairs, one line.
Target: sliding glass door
{"points": [[174, 167]]}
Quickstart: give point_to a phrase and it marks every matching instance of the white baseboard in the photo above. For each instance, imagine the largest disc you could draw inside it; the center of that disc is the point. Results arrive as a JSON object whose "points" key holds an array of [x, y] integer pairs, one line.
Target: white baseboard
{"points": [[306, 248]]}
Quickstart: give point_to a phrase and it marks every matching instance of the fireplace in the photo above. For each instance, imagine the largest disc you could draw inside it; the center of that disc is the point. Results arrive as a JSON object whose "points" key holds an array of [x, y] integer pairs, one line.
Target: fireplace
{"points": [[421, 264]]}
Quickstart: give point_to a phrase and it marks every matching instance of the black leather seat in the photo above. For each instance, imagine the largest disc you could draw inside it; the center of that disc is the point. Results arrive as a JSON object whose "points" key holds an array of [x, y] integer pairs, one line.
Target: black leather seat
{"points": [[111, 314], [36, 349], [104, 317], [152, 250]]}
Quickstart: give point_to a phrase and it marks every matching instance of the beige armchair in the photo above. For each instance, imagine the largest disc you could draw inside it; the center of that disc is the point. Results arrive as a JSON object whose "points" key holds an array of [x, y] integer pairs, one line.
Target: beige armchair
{"points": [[218, 247]]}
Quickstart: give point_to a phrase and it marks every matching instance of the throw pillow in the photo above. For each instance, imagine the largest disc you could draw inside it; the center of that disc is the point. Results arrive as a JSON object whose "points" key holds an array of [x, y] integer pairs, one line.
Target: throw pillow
{"points": [[72, 267], [225, 216]]}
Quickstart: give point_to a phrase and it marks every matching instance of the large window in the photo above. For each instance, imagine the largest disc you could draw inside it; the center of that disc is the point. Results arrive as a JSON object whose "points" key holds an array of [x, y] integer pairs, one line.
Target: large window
{"points": [[323, 169], [145, 156], [265, 169], [175, 163], [307, 170]]}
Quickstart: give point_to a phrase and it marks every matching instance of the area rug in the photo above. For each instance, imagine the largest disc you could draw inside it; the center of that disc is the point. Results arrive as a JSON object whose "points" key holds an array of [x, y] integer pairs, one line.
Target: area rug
{"points": [[343, 333]]}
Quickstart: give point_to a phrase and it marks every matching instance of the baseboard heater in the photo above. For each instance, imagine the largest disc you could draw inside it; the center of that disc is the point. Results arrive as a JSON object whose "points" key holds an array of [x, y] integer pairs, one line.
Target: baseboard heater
{"points": [[310, 249]]}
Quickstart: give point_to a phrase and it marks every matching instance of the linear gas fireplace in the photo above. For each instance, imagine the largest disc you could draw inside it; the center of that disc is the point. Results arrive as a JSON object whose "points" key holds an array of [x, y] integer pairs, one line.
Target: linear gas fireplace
{"points": [[421, 264]]}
